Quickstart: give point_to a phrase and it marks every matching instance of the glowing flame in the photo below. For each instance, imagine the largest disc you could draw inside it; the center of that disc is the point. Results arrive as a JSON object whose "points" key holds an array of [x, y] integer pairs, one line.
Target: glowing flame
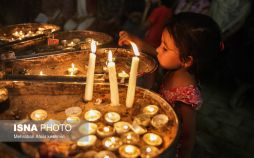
{"points": [[72, 66], [135, 49], [110, 56], [93, 46]]}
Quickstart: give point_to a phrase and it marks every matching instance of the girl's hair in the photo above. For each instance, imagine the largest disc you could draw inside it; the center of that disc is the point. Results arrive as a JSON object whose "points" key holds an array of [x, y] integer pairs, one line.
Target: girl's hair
{"points": [[196, 35]]}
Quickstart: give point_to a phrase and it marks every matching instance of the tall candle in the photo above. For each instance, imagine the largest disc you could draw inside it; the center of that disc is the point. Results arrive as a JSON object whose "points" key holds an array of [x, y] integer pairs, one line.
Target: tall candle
{"points": [[90, 73], [114, 95], [133, 77]]}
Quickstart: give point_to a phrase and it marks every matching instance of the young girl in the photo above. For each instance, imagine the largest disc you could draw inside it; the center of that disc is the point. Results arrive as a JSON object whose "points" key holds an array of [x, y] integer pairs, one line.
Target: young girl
{"points": [[188, 43]]}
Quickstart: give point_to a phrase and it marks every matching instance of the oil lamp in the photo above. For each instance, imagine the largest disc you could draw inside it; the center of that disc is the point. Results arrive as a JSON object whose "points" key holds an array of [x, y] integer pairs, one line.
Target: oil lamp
{"points": [[159, 121], [88, 128], [105, 131], [112, 117], [150, 110], [39, 115], [129, 151], [152, 139], [112, 143], [92, 115], [87, 141]]}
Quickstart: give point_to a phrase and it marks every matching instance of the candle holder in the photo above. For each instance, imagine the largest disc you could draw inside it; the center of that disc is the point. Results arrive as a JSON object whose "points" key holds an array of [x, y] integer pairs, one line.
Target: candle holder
{"points": [[39, 115], [88, 128], [73, 111], [73, 120], [105, 154], [129, 151], [159, 121], [87, 141], [122, 127], [105, 131], [138, 129], [112, 143], [151, 110], [149, 152], [142, 119], [112, 117], [123, 75], [130, 138], [152, 139], [92, 115], [71, 44]]}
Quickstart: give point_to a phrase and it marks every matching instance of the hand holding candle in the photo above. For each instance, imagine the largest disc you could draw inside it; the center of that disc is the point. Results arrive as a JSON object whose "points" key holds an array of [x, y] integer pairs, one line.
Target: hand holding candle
{"points": [[133, 77], [90, 73], [113, 81]]}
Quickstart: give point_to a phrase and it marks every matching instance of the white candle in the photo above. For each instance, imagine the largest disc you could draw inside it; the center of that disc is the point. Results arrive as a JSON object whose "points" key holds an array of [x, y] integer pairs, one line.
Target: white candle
{"points": [[133, 77], [90, 73], [114, 95]]}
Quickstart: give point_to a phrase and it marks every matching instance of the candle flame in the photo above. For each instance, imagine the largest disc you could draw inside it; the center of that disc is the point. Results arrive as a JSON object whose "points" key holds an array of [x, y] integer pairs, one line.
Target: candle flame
{"points": [[148, 149], [72, 66], [129, 149], [110, 56], [153, 137], [106, 129], [93, 46], [41, 73], [135, 49]]}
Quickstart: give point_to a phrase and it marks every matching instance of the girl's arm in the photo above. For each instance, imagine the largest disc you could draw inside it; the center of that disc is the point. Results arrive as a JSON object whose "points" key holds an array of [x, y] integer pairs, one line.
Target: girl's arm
{"points": [[126, 38], [188, 115]]}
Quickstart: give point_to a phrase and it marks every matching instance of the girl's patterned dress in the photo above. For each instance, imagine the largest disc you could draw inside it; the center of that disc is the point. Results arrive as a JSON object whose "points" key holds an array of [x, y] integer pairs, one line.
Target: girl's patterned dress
{"points": [[189, 95]]}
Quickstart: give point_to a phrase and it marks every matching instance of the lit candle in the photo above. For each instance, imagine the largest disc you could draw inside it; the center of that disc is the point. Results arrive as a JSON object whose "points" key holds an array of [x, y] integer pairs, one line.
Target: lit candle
{"points": [[105, 131], [88, 128], [39, 115], [159, 121], [149, 151], [16, 34], [152, 139], [87, 141], [114, 95], [73, 111], [73, 70], [112, 117], [90, 73], [150, 110], [133, 77], [41, 73], [112, 143], [122, 127], [123, 75], [130, 138], [72, 44], [92, 115], [129, 151]]}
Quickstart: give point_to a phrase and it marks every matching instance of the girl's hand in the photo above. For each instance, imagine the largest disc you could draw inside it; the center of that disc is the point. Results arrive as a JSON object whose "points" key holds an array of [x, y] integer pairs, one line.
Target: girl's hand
{"points": [[125, 38]]}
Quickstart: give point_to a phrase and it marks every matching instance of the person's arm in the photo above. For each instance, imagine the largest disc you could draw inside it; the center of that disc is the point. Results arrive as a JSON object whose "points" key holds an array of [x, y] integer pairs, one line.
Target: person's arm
{"points": [[188, 115], [125, 38]]}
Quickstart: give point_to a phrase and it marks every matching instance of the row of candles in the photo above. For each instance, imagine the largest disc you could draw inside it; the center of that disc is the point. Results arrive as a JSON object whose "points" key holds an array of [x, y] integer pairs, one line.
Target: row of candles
{"points": [[20, 34], [112, 77], [129, 134]]}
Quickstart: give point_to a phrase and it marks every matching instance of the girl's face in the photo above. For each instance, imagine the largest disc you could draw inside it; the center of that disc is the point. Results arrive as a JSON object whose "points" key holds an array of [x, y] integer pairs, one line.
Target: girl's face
{"points": [[168, 54]]}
